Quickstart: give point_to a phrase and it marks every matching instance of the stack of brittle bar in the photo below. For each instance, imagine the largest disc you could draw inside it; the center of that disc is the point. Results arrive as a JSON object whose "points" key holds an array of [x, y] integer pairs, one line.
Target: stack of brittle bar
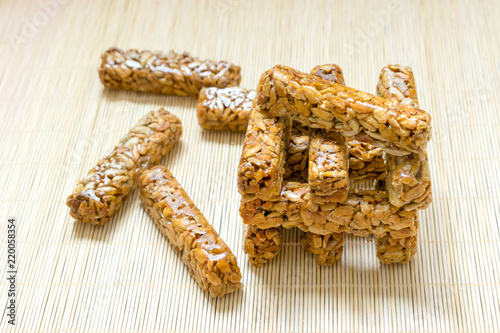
{"points": [[310, 140]]}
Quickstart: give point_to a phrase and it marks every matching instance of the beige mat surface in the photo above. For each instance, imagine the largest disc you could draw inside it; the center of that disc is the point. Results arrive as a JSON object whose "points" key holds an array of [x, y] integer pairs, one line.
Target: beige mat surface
{"points": [[56, 120]]}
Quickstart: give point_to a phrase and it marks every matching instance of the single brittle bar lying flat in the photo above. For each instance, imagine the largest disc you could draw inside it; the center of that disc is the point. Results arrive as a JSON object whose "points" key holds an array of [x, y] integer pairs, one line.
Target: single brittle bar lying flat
{"points": [[318, 103], [261, 245], [328, 165], [209, 259], [326, 248], [225, 108], [408, 177], [364, 213], [282, 210], [171, 73], [99, 195], [261, 167], [374, 214]]}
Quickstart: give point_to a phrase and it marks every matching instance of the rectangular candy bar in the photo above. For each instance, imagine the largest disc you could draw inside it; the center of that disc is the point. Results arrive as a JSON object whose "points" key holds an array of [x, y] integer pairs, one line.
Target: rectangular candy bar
{"points": [[101, 193], [396, 250], [281, 210], [364, 213], [375, 215], [330, 72], [261, 245], [328, 165], [326, 248], [408, 177], [365, 160], [409, 181], [209, 259], [171, 73], [225, 108], [317, 103], [397, 82], [261, 167], [295, 208]]}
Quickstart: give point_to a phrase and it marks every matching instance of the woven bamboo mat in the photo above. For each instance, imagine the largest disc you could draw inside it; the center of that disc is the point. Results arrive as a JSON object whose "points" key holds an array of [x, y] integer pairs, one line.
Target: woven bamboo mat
{"points": [[56, 120]]}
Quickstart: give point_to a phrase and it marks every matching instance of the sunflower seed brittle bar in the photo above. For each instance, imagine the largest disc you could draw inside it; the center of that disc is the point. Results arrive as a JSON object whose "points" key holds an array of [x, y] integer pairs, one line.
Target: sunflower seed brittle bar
{"points": [[396, 250], [365, 160], [282, 210], [330, 72], [261, 245], [297, 154], [364, 213], [101, 193], [209, 259], [328, 165], [408, 177], [317, 103], [374, 214], [294, 208], [397, 82], [225, 108], [408, 181], [261, 167], [326, 248], [172, 73]]}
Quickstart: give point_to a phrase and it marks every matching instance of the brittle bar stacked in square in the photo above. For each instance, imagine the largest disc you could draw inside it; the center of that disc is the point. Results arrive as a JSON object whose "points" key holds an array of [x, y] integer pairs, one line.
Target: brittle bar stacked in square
{"points": [[310, 138]]}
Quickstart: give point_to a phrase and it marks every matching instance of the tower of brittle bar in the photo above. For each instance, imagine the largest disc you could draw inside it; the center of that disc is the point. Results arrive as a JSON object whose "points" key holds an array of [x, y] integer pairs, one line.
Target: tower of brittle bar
{"points": [[310, 139]]}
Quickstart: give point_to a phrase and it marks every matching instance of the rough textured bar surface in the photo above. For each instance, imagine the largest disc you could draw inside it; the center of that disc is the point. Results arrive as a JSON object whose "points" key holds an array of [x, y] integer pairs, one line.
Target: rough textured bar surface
{"points": [[364, 213], [318, 103], [297, 154], [282, 210], [397, 82], [261, 167], [326, 248], [408, 177], [171, 73], [365, 160], [409, 181], [225, 108], [392, 250], [328, 165], [330, 72], [99, 195], [209, 259], [261, 245]]}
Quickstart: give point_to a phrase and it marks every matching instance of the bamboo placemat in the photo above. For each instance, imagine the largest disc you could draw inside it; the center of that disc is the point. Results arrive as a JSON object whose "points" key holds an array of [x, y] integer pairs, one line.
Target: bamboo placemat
{"points": [[56, 120]]}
